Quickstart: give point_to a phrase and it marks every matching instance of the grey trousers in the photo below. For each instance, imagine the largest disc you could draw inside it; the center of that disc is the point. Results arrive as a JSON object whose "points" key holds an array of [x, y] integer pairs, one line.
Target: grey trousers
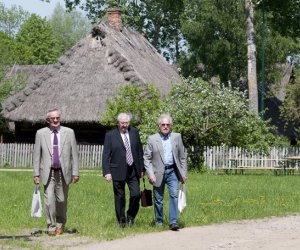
{"points": [[55, 198]]}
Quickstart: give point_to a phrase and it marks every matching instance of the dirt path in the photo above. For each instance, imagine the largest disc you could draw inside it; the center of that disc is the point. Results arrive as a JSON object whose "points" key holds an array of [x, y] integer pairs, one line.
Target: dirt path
{"points": [[266, 234]]}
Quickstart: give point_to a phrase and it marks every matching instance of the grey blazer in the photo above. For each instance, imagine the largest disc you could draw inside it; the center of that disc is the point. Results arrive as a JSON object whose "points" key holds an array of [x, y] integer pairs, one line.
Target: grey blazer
{"points": [[154, 155], [68, 152]]}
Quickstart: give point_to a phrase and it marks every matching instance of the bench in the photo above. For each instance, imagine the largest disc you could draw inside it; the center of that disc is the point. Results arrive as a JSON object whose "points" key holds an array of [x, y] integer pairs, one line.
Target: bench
{"points": [[277, 170]]}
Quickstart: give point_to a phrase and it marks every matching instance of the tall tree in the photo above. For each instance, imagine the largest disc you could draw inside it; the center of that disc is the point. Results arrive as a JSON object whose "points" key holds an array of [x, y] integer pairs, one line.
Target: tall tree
{"points": [[41, 46], [68, 27], [215, 32], [11, 19], [251, 56]]}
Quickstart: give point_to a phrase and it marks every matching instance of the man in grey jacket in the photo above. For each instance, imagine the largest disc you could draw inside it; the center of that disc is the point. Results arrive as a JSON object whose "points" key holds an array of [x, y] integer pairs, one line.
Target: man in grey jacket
{"points": [[56, 165], [165, 163]]}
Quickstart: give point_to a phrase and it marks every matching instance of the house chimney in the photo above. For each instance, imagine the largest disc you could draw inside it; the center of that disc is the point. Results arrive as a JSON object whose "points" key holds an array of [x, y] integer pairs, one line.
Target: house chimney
{"points": [[114, 17]]}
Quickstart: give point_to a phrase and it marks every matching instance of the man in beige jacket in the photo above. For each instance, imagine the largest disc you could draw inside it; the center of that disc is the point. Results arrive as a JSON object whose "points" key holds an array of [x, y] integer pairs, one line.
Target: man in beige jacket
{"points": [[56, 165]]}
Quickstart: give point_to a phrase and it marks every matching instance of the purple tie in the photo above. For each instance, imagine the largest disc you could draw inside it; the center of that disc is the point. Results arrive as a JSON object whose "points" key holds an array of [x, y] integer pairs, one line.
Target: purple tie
{"points": [[55, 163]]}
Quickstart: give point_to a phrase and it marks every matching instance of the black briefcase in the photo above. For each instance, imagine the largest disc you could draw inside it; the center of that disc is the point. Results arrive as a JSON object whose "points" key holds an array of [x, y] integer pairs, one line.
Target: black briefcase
{"points": [[146, 196]]}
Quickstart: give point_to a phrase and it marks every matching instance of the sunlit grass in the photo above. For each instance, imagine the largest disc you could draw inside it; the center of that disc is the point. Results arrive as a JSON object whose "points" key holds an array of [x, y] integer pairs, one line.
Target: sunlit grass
{"points": [[211, 198]]}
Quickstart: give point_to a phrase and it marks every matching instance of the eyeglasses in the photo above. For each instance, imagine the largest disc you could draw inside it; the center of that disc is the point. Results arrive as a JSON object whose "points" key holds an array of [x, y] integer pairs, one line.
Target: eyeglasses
{"points": [[54, 118], [165, 124]]}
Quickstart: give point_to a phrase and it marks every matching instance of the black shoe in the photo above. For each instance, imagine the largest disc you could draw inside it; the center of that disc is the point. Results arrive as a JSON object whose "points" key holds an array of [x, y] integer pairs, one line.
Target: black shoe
{"points": [[130, 222], [174, 227], [122, 224]]}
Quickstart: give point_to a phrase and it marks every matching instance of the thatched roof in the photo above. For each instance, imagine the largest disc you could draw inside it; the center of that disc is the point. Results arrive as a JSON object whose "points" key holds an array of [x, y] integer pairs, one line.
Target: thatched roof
{"points": [[87, 75]]}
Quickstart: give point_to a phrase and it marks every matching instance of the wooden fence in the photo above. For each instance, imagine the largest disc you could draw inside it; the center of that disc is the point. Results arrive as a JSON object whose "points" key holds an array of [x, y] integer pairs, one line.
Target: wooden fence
{"points": [[217, 157], [15, 155]]}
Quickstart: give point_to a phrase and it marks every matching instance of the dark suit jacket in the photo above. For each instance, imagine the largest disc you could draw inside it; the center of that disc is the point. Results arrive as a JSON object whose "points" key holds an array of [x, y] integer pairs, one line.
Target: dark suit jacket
{"points": [[114, 154]]}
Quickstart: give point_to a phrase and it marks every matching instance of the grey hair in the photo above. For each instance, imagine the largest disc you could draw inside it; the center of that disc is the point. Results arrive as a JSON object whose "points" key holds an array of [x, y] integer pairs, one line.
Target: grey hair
{"points": [[165, 116], [124, 115], [53, 110]]}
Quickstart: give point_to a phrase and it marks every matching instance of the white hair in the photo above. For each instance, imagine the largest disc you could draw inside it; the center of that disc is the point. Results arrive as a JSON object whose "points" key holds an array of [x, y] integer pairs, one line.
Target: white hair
{"points": [[124, 115], [165, 116]]}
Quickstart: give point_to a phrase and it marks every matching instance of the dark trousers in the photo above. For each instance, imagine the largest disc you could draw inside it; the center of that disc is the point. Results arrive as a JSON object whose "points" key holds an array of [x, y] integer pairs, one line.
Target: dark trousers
{"points": [[133, 182]]}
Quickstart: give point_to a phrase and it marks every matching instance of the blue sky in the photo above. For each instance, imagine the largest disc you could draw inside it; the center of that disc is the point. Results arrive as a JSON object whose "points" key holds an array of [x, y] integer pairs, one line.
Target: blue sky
{"points": [[41, 8]]}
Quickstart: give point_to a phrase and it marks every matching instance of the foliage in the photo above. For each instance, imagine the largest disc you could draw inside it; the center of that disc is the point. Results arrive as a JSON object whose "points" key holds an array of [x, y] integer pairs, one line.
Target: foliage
{"points": [[11, 19], [143, 104], [206, 115], [285, 15], [68, 27], [41, 46], [210, 115], [214, 31], [7, 87], [8, 50], [290, 109]]}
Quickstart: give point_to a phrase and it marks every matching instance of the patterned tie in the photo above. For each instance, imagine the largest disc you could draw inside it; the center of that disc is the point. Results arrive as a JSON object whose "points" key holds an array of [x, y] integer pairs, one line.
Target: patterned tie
{"points": [[55, 162], [129, 158]]}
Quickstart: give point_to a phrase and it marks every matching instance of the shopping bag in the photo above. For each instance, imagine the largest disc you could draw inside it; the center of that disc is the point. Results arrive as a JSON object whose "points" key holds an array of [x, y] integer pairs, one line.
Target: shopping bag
{"points": [[146, 196], [181, 197], [36, 205]]}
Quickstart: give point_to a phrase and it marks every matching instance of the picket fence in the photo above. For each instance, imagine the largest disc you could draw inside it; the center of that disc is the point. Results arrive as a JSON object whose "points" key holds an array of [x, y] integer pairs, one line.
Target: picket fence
{"points": [[17, 155]]}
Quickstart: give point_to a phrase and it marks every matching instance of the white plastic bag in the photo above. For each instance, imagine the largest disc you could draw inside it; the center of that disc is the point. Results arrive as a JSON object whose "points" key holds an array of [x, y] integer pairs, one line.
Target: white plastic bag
{"points": [[36, 206], [181, 198]]}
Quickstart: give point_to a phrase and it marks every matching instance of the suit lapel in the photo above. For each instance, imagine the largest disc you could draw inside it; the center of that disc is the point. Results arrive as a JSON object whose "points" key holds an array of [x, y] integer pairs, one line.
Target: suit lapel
{"points": [[63, 137], [173, 143], [119, 137], [131, 137], [159, 145], [47, 138]]}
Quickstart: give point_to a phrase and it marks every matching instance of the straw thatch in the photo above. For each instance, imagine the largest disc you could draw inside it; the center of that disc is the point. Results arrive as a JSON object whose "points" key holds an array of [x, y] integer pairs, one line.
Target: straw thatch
{"points": [[87, 75]]}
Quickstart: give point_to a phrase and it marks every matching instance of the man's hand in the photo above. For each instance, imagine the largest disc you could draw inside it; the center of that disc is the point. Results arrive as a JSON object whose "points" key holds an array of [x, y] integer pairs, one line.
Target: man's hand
{"points": [[36, 180], [152, 179], [108, 177], [75, 178]]}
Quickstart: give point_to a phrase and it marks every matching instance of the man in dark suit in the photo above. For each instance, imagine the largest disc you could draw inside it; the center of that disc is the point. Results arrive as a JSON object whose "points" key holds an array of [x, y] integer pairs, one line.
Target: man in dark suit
{"points": [[122, 162], [56, 165]]}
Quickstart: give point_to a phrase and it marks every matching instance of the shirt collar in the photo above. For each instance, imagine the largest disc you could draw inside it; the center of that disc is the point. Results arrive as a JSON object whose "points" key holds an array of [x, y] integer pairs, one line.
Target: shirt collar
{"points": [[165, 137]]}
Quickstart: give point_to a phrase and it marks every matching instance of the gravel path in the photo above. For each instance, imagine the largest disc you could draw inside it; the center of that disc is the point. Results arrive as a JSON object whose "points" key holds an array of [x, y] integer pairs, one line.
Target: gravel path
{"points": [[267, 234]]}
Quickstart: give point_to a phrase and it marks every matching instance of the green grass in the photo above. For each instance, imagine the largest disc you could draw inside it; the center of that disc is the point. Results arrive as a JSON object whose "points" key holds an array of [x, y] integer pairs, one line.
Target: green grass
{"points": [[211, 198]]}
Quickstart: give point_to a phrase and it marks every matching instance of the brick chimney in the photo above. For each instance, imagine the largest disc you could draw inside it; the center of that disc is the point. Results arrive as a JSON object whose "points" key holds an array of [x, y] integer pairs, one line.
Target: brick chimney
{"points": [[114, 17]]}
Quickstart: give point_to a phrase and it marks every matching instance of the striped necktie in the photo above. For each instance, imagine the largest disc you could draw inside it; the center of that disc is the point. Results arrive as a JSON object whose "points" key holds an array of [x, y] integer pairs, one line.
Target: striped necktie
{"points": [[55, 163], [129, 158]]}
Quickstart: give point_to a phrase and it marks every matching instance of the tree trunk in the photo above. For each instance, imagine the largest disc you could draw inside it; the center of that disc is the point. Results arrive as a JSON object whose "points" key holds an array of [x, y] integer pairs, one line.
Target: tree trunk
{"points": [[251, 57]]}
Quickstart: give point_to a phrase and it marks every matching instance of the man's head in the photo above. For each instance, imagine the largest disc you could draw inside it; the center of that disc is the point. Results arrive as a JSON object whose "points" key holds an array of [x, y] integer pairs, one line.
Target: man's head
{"points": [[165, 124], [53, 118], [123, 122]]}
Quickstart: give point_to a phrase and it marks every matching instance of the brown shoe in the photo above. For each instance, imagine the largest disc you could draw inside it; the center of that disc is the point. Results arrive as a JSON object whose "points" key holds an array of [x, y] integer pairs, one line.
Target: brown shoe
{"points": [[52, 233], [59, 231]]}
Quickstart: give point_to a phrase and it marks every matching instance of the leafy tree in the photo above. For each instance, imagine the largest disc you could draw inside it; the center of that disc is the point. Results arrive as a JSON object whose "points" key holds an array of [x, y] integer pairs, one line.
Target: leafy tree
{"points": [[210, 115], [8, 50], [285, 16], [41, 47], [143, 104], [11, 19], [68, 27], [215, 33], [206, 115], [290, 110]]}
